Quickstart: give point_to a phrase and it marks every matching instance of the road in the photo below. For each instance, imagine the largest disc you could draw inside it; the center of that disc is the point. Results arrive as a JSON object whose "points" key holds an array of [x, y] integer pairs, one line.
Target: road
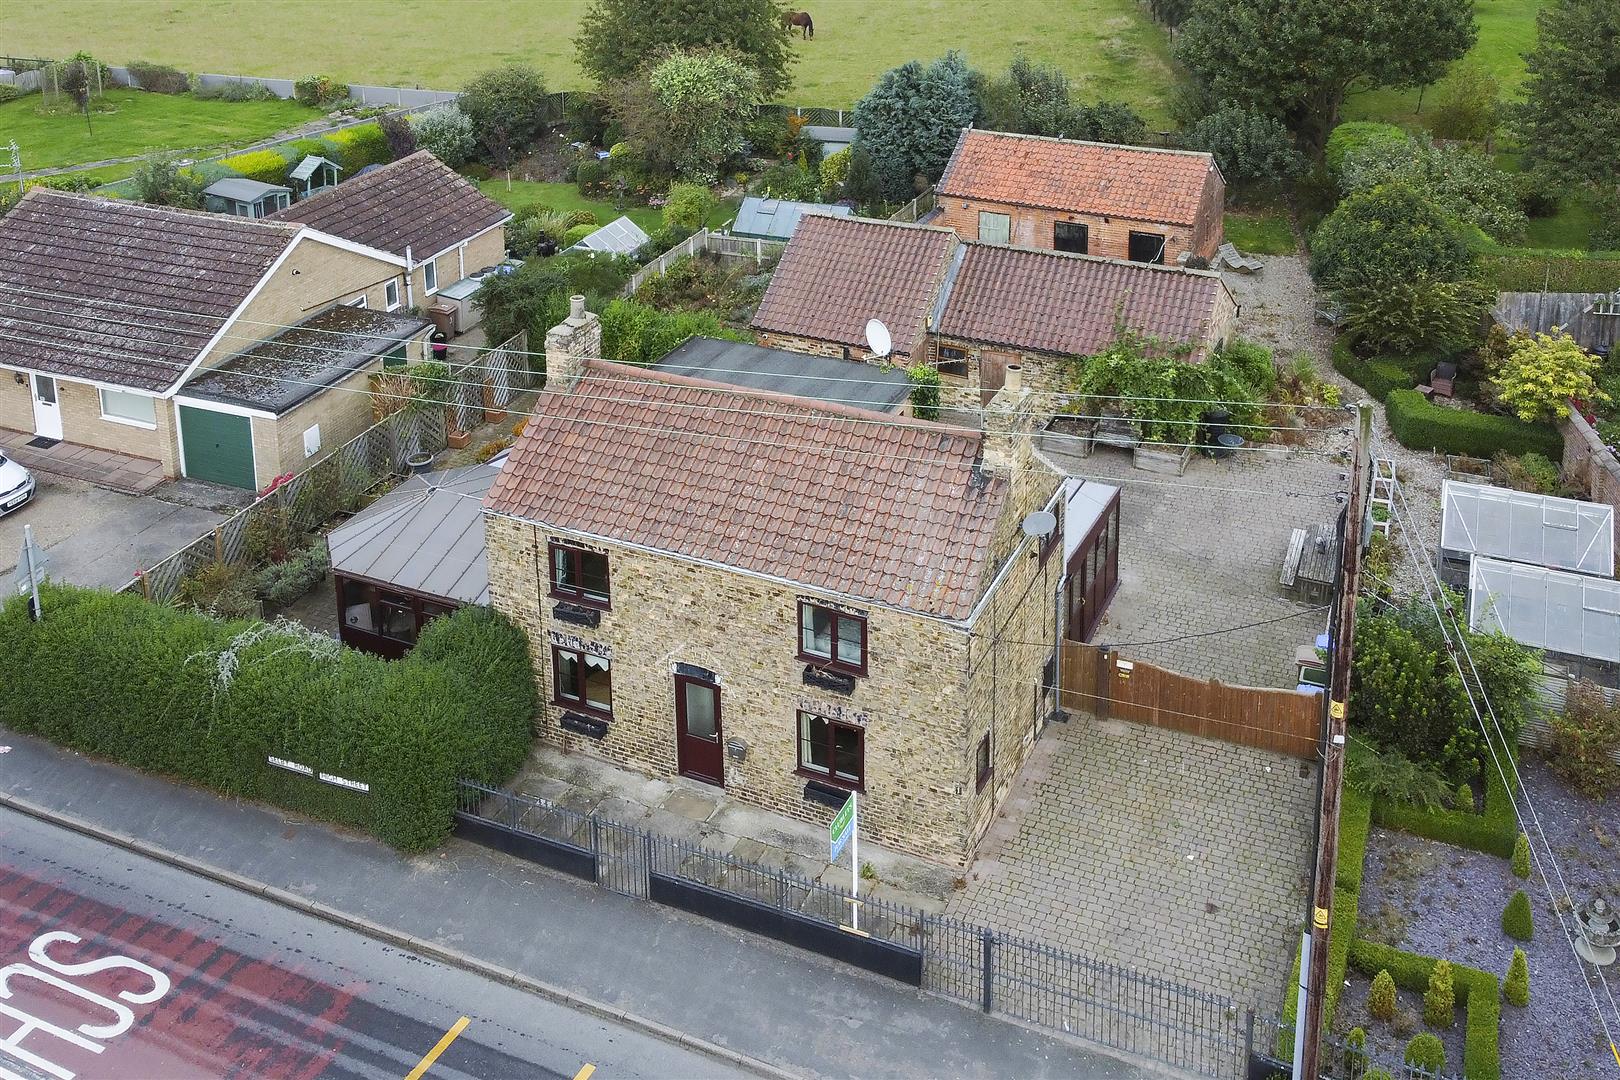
{"points": [[119, 966]]}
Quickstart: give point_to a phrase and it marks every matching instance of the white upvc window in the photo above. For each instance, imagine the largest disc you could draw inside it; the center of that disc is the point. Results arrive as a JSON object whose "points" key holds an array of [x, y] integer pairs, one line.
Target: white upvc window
{"points": [[391, 294], [125, 407], [430, 277], [359, 301]]}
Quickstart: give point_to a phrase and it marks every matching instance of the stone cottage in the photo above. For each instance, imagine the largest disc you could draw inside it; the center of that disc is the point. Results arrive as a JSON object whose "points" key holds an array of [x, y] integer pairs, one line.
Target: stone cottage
{"points": [[786, 598]]}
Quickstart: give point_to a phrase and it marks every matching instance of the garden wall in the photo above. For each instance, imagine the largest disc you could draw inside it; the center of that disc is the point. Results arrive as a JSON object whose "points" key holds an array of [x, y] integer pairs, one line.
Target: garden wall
{"points": [[1588, 462], [396, 96]]}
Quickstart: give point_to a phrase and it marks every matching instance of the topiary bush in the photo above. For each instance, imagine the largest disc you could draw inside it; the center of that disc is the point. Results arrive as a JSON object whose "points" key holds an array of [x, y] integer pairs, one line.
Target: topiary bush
{"points": [[1516, 987], [1421, 425], [1426, 1051], [1381, 998], [1517, 922], [1521, 857], [1440, 1000], [1464, 799], [1480, 993]]}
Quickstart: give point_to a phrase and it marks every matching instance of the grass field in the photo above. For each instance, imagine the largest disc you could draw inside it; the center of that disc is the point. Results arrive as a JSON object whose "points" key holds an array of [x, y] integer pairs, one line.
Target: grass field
{"points": [[1109, 47], [140, 122], [1260, 232], [566, 197]]}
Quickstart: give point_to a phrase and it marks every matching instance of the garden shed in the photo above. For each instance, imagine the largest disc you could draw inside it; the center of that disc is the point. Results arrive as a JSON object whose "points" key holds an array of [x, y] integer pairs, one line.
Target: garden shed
{"points": [[411, 556], [775, 219], [1575, 616], [242, 197], [621, 236], [831, 137], [1522, 527], [314, 175]]}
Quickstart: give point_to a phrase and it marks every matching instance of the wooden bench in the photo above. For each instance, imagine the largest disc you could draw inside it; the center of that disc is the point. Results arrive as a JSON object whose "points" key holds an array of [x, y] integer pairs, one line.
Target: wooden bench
{"points": [[1290, 567]]}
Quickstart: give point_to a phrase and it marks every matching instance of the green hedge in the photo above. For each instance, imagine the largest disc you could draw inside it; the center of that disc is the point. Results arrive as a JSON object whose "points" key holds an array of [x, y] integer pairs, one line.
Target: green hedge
{"points": [[1421, 425], [1493, 830], [1528, 272], [359, 146], [123, 678], [1479, 992], [1379, 375], [265, 166]]}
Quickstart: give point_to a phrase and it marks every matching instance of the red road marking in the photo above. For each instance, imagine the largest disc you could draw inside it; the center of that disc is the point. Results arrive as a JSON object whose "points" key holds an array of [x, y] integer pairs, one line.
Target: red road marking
{"points": [[227, 1014]]}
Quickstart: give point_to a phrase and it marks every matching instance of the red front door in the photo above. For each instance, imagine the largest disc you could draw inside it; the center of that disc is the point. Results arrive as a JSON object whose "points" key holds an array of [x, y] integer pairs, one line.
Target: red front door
{"points": [[698, 752]]}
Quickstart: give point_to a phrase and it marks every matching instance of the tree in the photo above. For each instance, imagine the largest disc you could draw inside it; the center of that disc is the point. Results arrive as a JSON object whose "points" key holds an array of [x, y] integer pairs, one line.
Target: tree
{"points": [[1516, 987], [617, 37], [1470, 106], [401, 138], [1249, 146], [1540, 375], [1299, 59], [532, 298], [688, 114], [1419, 313], [507, 107], [161, 181], [687, 206], [1570, 119], [1381, 998], [446, 131], [1107, 121], [1031, 98], [1440, 1000], [1463, 183], [910, 121], [1387, 235]]}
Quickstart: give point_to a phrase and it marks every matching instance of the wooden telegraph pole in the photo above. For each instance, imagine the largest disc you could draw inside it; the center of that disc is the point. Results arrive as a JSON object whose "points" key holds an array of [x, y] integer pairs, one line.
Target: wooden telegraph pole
{"points": [[1327, 848]]}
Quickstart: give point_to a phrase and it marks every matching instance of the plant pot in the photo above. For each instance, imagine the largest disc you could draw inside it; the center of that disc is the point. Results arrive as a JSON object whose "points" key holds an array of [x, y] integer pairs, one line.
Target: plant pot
{"points": [[419, 463], [492, 413], [457, 439]]}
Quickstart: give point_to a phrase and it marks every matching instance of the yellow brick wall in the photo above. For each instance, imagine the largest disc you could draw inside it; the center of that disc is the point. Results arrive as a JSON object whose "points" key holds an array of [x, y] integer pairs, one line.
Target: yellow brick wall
{"points": [[457, 263], [82, 422], [16, 401]]}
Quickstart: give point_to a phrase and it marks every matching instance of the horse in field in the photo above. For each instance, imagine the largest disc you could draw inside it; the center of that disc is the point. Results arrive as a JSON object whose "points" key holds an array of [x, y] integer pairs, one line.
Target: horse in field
{"points": [[801, 19]]}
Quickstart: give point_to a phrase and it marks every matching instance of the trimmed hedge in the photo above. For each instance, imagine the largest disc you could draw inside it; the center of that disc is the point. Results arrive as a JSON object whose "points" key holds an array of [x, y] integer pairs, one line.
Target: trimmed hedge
{"points": [[265, 166], [1420, 425], [1493, 830], [117, 676], [1479, 992], [1355, 821], [359, 146], [1378, 375]]}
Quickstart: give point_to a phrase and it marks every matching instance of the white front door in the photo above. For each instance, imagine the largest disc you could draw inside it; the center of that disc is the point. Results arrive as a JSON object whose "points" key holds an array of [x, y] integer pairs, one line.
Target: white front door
{"points": [[47, 410]]}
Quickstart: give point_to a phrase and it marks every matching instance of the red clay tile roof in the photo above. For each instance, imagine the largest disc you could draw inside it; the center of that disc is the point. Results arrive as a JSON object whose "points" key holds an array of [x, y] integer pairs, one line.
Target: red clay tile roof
{"points": [[82, 280], [417, 202], [1055, 302], [839, 272], [830, 497], [1077, 177]]}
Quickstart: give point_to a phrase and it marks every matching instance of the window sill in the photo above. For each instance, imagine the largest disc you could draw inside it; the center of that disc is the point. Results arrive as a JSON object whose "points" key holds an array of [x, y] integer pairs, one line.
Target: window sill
{"points": [[822, 780], [837, 682], [142, 424], [983, 780], [580, 601], [827, 794], [836, 667], [583, 710], [582, 724]]}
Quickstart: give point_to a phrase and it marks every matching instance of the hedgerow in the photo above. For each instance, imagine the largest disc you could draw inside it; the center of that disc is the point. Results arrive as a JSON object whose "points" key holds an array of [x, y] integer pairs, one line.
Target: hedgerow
{"points": [[1422, 425], [209, 702], [1479, 992]]}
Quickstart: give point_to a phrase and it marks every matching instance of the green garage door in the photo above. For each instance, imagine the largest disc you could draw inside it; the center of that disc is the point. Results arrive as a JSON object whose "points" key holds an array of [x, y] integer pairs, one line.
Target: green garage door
{"points": [[218, 446]]}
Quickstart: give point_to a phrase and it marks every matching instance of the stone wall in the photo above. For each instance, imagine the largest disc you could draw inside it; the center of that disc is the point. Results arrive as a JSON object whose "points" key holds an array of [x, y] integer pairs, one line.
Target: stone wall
{"points": [[1588, 462]]}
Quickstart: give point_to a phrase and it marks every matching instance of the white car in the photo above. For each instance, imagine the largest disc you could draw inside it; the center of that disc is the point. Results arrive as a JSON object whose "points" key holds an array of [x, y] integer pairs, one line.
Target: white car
{"points": [[16, 485]]}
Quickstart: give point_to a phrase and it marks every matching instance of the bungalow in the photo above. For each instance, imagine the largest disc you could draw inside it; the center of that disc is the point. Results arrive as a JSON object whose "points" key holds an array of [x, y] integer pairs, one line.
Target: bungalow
{"points": [[419, 210], [973, 309], [786, 598], [1123, 202], [111, 311]]}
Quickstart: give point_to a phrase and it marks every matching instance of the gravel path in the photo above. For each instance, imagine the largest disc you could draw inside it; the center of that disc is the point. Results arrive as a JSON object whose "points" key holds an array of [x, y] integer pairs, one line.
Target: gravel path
{"points": [[1439, 900]]}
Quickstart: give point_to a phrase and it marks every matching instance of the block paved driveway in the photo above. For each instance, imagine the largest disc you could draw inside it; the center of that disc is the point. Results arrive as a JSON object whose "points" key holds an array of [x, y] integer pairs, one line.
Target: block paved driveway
{"points": [[1182, 857]]}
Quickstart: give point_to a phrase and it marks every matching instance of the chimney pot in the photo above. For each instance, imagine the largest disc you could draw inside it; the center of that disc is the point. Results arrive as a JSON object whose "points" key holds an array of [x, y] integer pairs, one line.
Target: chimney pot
{"points": [[1015, 377], [576, 307]]}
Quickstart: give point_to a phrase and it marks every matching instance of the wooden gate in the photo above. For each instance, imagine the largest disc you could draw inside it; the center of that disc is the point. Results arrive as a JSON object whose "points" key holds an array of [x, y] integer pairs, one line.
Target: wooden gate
{"points": [[1106, 685]]}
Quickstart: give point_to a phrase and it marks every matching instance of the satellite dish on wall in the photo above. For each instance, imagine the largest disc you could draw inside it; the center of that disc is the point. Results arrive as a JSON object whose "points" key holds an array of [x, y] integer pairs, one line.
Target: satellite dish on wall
{"points": [[878, 338], [1039, 524]]}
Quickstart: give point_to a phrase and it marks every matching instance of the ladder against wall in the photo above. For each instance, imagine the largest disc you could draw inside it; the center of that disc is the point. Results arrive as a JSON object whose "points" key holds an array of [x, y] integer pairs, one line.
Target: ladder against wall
{"points": [[1383, 493]]}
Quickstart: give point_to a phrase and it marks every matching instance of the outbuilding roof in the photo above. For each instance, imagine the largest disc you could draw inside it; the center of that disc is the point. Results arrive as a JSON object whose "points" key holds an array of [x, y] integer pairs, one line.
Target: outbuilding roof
{"points": [[241, 189], [123, 293], [1520, 526], [775, 219], [1138, 182], [426, 536], [843, 500], [417, 202], [306, 168], [777, 371], [837, 273], [1573, 614], [621, 236], [1052, 301]]}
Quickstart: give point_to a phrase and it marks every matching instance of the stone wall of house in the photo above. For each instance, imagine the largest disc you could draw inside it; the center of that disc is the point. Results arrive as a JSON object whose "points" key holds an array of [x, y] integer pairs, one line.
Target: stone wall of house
{"points": [[668, 611], [1588, 462], [1033, 227], [817, 347]]}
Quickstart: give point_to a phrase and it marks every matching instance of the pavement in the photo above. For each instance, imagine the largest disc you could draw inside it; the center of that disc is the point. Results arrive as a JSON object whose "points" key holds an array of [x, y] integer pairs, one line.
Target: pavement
{"points": [[652, 967], [233, 984], [97, 537]]}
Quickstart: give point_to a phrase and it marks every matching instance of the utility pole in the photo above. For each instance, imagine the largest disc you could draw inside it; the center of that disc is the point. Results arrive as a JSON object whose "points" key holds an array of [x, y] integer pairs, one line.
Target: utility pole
{"points": [[1313, 967]]}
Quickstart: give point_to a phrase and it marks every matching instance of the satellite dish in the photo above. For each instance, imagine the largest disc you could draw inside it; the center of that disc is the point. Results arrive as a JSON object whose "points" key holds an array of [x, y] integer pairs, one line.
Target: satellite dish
{"points": [[878, 338], [1039, 524]]}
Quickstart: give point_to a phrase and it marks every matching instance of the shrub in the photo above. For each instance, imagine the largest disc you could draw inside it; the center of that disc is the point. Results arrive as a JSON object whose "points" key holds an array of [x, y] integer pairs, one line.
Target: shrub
{"points": [[1422, 425], [446, 132], [208, 701], [1469, 107], [507, 107], [317, 90], [1440, 1000], [1527, 472], [1355, 1050], [576, 234], [1355, 135], [1388, 774], [1478, 991], [400, 135], [1378, 375], [265, 166], [1540, 374], [687, 206], [1516, 987], [578, 217], [1464, 799], [1516, 919], [1388, 235], [1414, 314], [361, 145], [280, 583], [792, 180], [490, 449], [1376, 1074], [633, 333], [1585, 738], [1540, 194], [1521, 857], [834, 170], [161, 181], [1463, 183], [1381, 998], [221, 589], [1426, 1051], [237, 90], [925, 383], [158, 78], [1249, 146]]}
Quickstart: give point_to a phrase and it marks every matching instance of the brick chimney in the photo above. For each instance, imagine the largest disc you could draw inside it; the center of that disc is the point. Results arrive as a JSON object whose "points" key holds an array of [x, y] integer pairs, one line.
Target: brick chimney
{"points": [[1007, 422], [571, 342]]}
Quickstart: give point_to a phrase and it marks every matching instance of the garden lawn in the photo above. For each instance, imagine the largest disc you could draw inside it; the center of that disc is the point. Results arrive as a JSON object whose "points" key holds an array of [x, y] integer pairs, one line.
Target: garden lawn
{"points": [[141, 122], [566, 197], [1109, 47], [1261, 232]]}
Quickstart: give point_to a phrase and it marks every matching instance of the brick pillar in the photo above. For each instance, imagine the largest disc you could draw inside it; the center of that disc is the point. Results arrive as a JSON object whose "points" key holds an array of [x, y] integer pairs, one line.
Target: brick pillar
{"points": [[571, 342]]}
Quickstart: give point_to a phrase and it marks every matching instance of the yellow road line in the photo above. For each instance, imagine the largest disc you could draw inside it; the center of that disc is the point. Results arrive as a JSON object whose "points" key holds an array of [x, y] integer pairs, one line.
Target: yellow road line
{"points": [[585, 1071], [444, 1044]]}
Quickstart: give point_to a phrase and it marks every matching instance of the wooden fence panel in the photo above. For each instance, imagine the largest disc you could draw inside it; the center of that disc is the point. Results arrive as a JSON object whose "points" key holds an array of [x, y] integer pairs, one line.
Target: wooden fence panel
{"points": [[1285, 721]]}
